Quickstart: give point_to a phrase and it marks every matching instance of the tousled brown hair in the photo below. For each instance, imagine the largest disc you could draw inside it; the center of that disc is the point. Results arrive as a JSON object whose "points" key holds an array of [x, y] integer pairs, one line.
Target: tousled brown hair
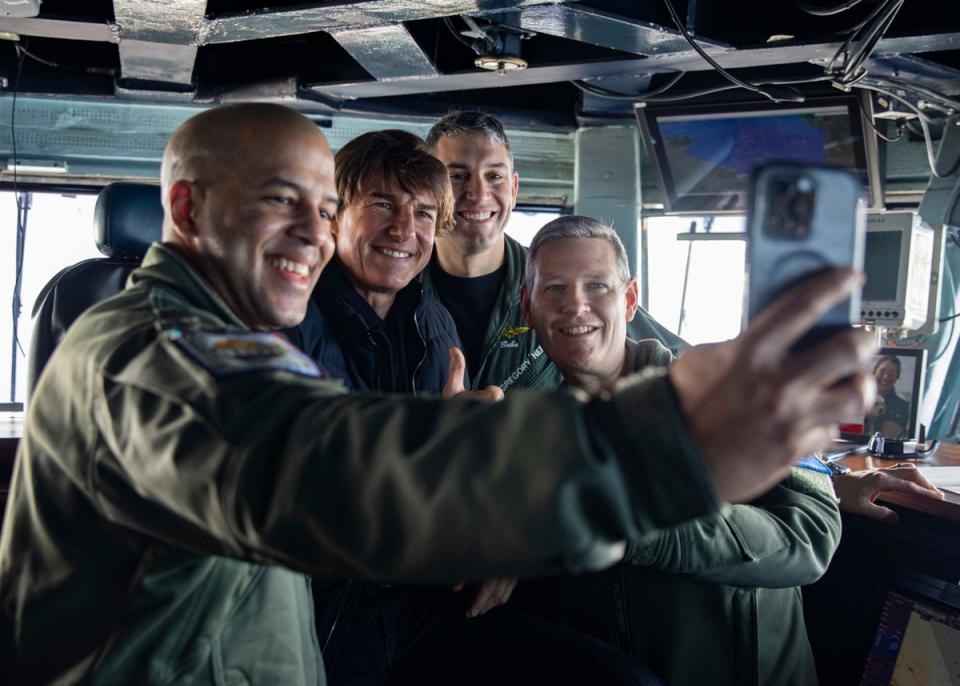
{"points": [[392, 156]]}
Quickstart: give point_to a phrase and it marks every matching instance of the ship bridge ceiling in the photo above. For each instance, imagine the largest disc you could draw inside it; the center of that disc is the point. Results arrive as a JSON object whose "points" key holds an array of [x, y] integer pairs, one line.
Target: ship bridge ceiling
{"points": [[419, 57], [102, 83]]}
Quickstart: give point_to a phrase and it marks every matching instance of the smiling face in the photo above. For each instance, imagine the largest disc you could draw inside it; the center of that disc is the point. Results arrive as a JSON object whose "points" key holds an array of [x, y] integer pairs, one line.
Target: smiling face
{"points": [[484, 189], [260, 231], [886, 373], [385, 238], [580, 307]]}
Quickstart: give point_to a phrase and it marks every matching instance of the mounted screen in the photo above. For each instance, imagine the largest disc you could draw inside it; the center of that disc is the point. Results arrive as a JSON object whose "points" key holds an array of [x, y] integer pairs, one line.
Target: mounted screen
{"points": [[703, 155], [899, 374]]}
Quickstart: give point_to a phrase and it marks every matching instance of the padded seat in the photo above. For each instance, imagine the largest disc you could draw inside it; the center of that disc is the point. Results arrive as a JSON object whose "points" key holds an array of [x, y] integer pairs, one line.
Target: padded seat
{"points": [[127, 219]]}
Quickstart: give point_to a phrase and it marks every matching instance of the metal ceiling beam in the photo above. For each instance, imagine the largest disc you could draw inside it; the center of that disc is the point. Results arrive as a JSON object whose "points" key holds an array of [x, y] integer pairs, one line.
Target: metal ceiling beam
{"points": [[59, 28], [367, 13], [158, 40], [474, 79], [684, 60], [386, 52], [160, 62], [587, 25]]}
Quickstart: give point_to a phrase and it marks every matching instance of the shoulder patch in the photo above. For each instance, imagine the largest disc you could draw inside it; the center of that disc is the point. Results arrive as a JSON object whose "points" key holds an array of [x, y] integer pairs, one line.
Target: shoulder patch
{"points": [[245, 351]]}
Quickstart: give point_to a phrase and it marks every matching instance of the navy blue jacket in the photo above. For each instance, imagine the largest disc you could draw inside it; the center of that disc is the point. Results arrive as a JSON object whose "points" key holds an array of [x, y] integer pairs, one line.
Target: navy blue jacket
{"points": [[341, 337]]}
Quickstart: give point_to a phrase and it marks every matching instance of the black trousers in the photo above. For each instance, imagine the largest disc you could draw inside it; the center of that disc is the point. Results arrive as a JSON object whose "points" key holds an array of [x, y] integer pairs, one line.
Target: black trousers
{"points": [[373, 635]]}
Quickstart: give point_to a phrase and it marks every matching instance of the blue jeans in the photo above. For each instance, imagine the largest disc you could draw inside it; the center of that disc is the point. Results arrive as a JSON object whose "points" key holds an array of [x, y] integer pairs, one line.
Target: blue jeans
{"points": [[421, 636]]}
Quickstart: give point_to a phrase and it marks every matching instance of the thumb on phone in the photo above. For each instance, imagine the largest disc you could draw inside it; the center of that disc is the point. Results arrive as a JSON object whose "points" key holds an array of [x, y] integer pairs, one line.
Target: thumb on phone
{"points": [[458, 367]]}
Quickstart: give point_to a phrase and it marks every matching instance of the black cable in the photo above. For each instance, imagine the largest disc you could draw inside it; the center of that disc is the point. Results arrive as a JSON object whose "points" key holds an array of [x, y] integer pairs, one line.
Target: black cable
{"points": [[615, 95], [924, 120], [18, 275], [945, 101], [934, 446], [23, 208], [689, 95], [877, 21], [790, 95], [883, 136], [106, 71], [866, 45], [947, 338], [826, 10], [456, 34], [947, 319]]}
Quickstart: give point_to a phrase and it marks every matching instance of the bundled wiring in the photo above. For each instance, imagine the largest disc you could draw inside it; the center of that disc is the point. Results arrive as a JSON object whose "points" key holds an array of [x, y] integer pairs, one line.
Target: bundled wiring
{"points": [[655, 97], [924, 120], [938, 100], [846, 65], [783, 95]]}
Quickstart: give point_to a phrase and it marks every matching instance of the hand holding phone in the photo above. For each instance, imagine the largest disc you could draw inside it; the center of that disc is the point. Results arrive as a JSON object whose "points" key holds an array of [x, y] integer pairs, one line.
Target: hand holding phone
{"points": [[802, 220]]}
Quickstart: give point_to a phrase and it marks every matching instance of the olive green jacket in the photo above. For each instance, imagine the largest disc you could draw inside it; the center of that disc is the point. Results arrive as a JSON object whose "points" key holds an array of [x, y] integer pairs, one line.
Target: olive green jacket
{"points": [[715, 600], [178, 474], [513, 359]]}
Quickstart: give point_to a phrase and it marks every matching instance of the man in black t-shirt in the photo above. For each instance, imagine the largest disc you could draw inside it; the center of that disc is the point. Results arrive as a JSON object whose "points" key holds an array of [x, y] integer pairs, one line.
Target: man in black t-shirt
{"points": [[476, 269]]}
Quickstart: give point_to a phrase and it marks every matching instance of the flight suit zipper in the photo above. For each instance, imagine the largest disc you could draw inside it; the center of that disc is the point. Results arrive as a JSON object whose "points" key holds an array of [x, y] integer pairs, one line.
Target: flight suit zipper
{"points": [[423, 343]]}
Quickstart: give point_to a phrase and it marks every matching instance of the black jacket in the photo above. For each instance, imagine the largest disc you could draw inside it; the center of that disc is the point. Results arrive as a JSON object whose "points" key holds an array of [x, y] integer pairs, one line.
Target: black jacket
{"points": [[350, 342]]}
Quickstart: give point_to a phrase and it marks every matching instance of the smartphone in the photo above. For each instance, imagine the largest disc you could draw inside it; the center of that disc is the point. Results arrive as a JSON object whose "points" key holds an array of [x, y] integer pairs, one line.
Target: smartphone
{"points": [[803, 219]]}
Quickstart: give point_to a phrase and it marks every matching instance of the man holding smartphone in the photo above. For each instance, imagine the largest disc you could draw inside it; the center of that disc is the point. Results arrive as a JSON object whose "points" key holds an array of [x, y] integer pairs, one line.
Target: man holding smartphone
{"points": [[726, 583], [183, 468]]}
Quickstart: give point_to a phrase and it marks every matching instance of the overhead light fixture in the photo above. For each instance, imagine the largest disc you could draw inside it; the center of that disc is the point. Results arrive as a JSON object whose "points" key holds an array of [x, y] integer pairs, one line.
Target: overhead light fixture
{"points": [[36, 167], [501, 64], [496, 44]]}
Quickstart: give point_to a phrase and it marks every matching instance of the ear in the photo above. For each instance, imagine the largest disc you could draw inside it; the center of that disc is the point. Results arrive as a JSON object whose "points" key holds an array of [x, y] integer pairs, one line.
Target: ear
{"points": [[514, 188], [183, 204], [525, 304], [632, 295]]}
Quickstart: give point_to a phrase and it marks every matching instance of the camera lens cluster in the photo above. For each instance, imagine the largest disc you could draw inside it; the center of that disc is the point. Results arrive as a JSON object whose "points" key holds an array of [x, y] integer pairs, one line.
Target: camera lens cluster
{"points": [[793, 201]]}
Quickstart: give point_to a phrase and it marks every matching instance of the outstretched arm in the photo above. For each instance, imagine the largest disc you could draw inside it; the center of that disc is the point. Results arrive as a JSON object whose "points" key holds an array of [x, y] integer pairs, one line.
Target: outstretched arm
{"points": [[784, 538]]}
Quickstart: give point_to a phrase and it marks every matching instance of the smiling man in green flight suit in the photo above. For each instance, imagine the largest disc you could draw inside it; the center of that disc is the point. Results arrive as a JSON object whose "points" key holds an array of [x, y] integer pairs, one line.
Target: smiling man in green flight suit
{"points": [[183, 468]]}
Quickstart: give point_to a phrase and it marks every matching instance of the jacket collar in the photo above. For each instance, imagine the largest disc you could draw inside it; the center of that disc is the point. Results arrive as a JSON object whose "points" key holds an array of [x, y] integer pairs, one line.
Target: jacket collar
{"points": [[335, 294], [164, 264]]}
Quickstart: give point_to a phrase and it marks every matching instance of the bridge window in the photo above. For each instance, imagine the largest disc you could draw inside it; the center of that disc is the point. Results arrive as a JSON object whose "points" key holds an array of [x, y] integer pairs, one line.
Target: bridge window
{"points": [[710, 307], [526, 221], [59, 232]]}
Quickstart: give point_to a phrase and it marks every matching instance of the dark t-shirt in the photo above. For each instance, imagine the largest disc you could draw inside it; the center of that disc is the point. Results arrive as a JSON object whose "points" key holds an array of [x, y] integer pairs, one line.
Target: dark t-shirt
{"points": [[470, 301], [896, 410]]}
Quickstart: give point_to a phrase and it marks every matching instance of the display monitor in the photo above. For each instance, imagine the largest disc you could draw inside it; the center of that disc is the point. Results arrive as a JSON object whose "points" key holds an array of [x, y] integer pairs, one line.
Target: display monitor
{"points": [[903, 268], [917, 639], [704, 154], [899, 374]]}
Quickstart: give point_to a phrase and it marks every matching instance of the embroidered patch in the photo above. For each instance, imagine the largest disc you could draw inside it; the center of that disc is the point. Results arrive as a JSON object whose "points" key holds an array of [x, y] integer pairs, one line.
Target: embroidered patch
{"points": [[509, 344], [252, 351], [511, 332]]}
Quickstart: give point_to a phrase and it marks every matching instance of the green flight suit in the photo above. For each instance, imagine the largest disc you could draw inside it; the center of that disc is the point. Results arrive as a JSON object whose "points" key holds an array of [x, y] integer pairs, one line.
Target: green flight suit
{"points": [[179, 474], [715, 600], [513, 359]]}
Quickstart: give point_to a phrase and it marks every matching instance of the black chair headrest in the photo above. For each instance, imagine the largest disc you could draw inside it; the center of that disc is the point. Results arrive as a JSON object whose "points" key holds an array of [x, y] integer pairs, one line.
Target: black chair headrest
{"points": [[128, 218]]}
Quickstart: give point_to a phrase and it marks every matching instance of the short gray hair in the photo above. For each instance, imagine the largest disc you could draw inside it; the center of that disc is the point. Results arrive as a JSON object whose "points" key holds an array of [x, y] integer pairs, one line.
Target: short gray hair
{"points": [[458, 123], [577, 226]]}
